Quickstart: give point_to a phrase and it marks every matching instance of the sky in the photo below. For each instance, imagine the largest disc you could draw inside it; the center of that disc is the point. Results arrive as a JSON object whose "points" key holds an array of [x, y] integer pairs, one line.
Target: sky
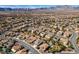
{"points": [[31, 6], [39, 2], [25, 6]]}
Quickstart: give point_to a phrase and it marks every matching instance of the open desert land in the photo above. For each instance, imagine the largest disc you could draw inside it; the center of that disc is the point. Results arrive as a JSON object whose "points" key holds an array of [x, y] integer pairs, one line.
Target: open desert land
{"points": [[39, 32]]}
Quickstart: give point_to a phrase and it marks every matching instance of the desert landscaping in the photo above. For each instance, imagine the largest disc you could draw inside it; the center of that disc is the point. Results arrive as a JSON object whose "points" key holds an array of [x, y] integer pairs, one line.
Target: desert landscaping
{"points": [[39, 32]]}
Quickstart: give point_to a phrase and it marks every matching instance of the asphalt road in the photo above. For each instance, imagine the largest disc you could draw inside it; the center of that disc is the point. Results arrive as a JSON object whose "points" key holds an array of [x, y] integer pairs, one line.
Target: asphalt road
{"points": [[73, 39], [27, 46]]}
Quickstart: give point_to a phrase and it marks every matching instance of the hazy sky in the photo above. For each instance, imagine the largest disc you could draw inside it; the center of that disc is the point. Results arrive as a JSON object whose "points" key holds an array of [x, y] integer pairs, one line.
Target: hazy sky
{"points": [[31, 6], [25, 6]]}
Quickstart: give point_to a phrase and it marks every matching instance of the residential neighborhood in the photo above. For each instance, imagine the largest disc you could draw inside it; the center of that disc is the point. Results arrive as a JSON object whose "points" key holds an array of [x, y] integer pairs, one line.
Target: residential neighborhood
{"points": [[39, 32]]}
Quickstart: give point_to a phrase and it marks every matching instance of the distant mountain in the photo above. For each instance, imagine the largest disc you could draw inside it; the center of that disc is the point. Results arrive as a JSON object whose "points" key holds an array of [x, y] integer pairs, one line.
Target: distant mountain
{"points": [[24, 9], [5, 9], [58, 7]]}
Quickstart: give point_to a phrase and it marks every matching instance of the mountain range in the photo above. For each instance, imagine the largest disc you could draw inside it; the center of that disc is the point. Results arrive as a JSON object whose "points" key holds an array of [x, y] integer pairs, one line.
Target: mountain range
{"points": [[37, 7]]}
